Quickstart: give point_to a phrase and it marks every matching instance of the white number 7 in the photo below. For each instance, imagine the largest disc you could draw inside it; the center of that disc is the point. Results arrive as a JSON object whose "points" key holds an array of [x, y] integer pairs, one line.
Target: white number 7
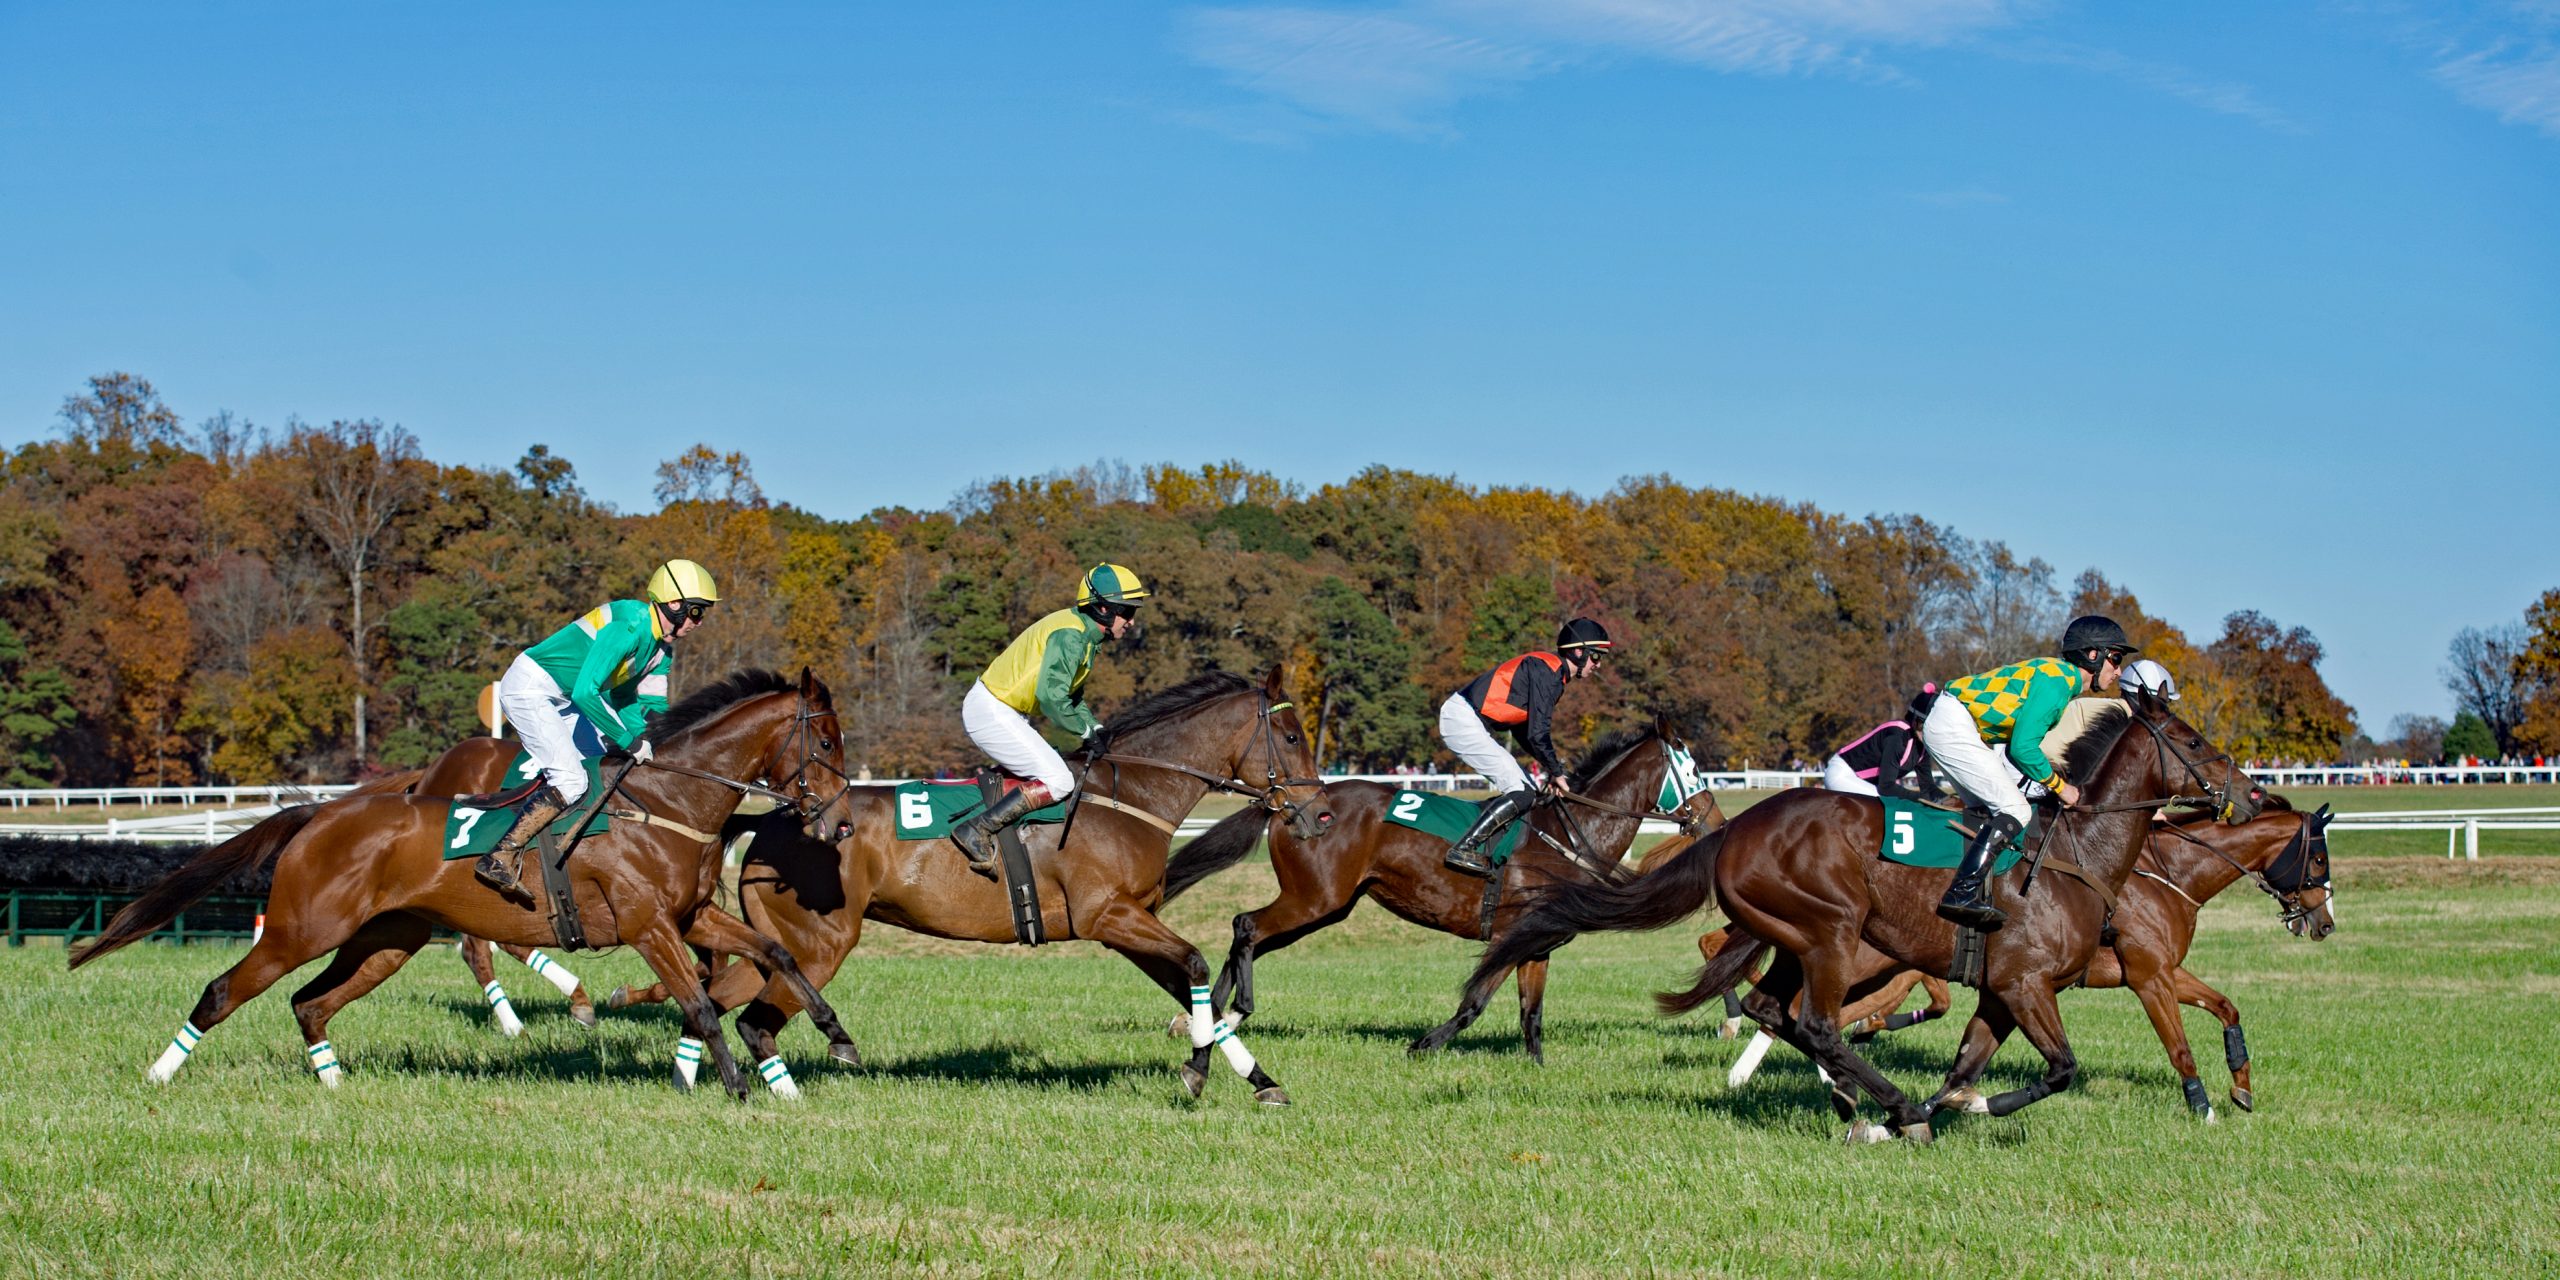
{"points": [[462, 834]]}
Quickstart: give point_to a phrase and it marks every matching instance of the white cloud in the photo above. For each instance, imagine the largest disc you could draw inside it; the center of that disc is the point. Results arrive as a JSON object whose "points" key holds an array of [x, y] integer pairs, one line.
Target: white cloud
{"points": [[2223, 97], [2516, 77]]}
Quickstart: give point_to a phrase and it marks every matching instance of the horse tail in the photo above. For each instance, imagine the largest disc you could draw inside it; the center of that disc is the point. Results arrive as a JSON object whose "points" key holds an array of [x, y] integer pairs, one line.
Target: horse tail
{"points": [[1716, 976], [390, 784], [1665, 895], [198, 876], [1217, 849]]}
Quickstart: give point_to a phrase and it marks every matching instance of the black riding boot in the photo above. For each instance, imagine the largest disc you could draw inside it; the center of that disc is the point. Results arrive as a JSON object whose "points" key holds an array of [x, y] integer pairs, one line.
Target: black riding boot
{"points": [[500, 867], [1467, 854], [1967, 902], [976, 834]]}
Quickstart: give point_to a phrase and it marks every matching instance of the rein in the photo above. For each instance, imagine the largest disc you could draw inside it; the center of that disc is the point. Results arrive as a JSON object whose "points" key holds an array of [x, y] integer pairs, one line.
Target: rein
{"points": [[2220, 799], [802, 804], [1584, 857], [2288, 902], [1273, 796]]}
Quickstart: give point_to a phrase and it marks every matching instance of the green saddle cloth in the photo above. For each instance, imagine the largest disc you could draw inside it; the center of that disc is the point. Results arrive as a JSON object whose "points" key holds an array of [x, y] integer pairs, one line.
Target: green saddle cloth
{"points": [[470, 832], [1917, 835], [1448, 817], [928, 810]]}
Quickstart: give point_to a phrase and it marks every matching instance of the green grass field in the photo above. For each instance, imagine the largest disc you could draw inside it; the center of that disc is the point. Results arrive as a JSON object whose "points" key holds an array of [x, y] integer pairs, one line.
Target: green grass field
{"points": [[1019, 1116]]}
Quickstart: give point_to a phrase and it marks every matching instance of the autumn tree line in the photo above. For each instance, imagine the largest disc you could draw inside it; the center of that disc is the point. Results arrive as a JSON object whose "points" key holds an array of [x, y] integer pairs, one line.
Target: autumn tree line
{"points": [[221, 601]]}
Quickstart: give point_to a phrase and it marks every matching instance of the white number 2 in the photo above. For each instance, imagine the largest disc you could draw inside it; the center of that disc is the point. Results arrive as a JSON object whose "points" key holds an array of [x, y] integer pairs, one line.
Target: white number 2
{"points": [[462, 834], [914, 810], [1408, 807], [1904, 837]]}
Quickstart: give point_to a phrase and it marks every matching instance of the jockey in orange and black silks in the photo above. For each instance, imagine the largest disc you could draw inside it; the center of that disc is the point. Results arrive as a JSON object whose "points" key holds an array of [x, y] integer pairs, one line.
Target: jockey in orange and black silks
{"points": [[1518, 695]]}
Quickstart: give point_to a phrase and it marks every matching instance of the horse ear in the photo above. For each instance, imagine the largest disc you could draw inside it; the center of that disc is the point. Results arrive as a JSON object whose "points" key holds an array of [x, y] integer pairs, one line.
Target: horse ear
{"points": [[2143, 704], [1663, 728], [1271, 682], [809, 687]]}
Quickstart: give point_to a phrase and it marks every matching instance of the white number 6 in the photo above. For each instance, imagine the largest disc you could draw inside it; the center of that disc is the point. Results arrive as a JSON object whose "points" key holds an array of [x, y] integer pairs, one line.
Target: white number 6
{"points": [[914, 810]]}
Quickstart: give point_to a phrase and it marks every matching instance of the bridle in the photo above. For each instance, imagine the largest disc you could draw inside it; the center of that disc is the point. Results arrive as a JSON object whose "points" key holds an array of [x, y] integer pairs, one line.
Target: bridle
{"points": [[1688, 820], [2309, 846], [806, 740], [1272, 796]]}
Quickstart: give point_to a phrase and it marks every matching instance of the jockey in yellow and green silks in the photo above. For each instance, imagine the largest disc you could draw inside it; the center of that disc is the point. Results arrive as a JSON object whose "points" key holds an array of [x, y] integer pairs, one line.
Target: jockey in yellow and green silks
{"points": [[1044, 671]]}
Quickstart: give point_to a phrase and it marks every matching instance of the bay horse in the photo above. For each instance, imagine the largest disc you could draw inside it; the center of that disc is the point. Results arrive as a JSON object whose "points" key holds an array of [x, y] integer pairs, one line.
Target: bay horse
{"points": [[1364, 855], [2183, 865], [366, 877], [1800, 873], [1217, 731]]}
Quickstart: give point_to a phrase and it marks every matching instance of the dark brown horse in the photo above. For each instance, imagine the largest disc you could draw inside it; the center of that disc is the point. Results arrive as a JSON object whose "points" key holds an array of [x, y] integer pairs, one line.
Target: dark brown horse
{"points": [[1365, 856], [366, 877], [1799, 872], [2183, 865], [1216, 731]]}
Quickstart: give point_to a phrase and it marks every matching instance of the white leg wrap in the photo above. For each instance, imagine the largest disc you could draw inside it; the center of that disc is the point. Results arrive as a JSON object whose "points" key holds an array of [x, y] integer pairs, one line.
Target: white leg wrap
{"points": [[688, 1060], [324, 1060], [1231, 1045], [1826, 1076], [778, 1077], [554, 972], [1748, 1064], [1203, 1029], [499, 1008], [175, 1056]]}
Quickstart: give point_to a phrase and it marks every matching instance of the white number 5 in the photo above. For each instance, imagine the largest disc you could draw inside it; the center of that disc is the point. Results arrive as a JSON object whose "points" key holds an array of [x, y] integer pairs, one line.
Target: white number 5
{"points": [[1903, 836]]}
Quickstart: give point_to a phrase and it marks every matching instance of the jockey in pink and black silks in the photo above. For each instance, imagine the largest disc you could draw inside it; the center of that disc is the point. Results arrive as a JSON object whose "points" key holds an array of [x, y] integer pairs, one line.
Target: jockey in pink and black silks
{"points": [[1888, 760]]}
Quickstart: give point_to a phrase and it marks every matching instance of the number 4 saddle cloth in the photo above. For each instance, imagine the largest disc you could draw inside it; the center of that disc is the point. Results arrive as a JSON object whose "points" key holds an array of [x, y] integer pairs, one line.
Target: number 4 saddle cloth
{"points": [[1918, 835], [1448, 817]]}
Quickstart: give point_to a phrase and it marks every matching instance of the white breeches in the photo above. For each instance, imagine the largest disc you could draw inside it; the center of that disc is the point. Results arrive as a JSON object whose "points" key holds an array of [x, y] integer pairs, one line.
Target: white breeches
{"points": [[1008, 739], [559, 739], [1838, 776], [1463, 732], [1982, 773]]}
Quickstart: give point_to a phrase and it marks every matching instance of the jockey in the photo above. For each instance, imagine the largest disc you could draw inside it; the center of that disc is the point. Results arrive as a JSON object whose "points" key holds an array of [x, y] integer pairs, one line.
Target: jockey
{"points": [[2143, 675], [1043, 670], [592, 685], [2017, 705], [1519, 695], [1877, 763]]}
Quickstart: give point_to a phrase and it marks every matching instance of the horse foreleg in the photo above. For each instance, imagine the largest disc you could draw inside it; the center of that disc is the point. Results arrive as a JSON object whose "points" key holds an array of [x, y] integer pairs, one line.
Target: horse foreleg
{"points": [[1183, 972], [2032, 1004], [1983, 1036], [664, 949], [375, 953], [2235, 1047], [581, 1006], [718, 930], [1306, 904], [475, 957], [2158, 992]]}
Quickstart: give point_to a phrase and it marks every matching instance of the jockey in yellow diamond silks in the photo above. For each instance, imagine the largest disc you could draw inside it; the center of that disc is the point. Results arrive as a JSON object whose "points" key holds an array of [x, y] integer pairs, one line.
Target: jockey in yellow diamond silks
{"points": [[590, 686], [1043, 670], [2014, 705]]}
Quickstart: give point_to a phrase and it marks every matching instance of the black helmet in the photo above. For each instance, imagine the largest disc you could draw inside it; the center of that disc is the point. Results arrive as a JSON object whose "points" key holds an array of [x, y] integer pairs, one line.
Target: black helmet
{"points": [[2088, 642], [1585, 635]]}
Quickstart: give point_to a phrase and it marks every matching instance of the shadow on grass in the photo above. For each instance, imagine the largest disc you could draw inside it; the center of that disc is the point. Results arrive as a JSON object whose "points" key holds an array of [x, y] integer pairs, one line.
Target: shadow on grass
{"points": [[1000, 1062]]}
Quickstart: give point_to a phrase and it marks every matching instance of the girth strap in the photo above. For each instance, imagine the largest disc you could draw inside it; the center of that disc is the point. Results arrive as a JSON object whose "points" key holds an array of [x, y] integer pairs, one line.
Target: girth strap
{"points": [[664, 824], [1132, 810]]}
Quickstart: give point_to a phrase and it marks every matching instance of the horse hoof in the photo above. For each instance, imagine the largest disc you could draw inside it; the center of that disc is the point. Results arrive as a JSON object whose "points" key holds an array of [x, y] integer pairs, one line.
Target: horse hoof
{"points": [[845, 1053], [1729, 1028], [1192, 1079], [1862, 1132], [1967, 1099], [1920, 1134], [2243, 1099], [584, 1013], [620, 999], [1179, 1028], [1271, 1097]]}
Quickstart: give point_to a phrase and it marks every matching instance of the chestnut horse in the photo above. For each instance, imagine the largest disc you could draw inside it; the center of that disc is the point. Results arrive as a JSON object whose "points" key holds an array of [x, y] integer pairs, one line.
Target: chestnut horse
{"points": [[1799, 872], [1216, 731], [367, 878], [2183, 865], [1364, 855]]}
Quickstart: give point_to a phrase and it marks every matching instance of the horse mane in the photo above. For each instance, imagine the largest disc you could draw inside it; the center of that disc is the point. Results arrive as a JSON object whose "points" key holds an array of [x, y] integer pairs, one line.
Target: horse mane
{"points": [[2082, 756], [719, 696], [1605, 752], [1165, 704]]}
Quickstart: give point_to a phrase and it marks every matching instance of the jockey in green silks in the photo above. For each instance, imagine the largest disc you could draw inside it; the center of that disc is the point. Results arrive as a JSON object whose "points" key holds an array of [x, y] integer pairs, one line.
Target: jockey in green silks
{"points": [[1043, 670], [592, 685]]}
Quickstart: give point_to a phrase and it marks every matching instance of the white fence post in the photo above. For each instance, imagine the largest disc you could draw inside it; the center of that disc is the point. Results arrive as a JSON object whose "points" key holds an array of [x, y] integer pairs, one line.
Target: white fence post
{"points": [[2471, 840]]}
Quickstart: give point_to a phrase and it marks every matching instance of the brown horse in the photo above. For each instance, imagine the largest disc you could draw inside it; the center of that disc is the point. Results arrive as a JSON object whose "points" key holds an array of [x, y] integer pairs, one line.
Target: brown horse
{"points": [[1799, 872], [2183, 865], [1215, 731], [1364, 855], [367, 878]]}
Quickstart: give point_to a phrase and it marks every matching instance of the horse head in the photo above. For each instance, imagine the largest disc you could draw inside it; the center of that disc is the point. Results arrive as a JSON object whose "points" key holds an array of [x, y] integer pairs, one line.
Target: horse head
{"points": [[2185, 763]]}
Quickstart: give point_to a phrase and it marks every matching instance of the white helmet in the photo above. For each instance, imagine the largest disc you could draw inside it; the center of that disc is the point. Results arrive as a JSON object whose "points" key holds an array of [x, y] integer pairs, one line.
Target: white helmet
{"points": [[2150, 677]]}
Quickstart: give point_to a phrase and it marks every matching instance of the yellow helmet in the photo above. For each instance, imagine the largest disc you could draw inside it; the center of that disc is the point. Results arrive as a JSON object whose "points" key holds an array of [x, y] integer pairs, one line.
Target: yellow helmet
{"points": [[682, 580], [1110, 582]]}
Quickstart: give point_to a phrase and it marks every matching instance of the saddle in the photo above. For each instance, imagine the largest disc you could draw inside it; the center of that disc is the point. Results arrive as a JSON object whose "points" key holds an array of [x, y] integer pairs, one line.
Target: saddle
{"points": [[504, 797]]}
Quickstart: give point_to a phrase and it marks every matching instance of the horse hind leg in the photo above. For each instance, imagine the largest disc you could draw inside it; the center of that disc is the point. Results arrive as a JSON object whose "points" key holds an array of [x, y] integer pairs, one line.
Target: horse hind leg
{"points": [[2235, 1046], [581, 1006], [287, 945], [364, 962]]}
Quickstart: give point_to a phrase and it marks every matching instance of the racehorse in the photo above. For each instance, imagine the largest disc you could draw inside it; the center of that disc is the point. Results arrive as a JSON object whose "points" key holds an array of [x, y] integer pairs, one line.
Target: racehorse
{"points": [[1800, 873], [2183, 865], [367, 877], [1365, 855], [1213, 732]]}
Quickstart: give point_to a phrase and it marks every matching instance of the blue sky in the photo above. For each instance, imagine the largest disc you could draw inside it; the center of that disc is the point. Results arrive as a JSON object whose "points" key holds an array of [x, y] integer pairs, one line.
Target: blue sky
{"points": [[2252, 305]]}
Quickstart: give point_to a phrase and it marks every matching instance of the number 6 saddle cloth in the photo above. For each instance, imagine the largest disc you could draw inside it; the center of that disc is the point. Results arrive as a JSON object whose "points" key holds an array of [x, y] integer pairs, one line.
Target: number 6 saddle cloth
{"points": [[929, 810]]}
